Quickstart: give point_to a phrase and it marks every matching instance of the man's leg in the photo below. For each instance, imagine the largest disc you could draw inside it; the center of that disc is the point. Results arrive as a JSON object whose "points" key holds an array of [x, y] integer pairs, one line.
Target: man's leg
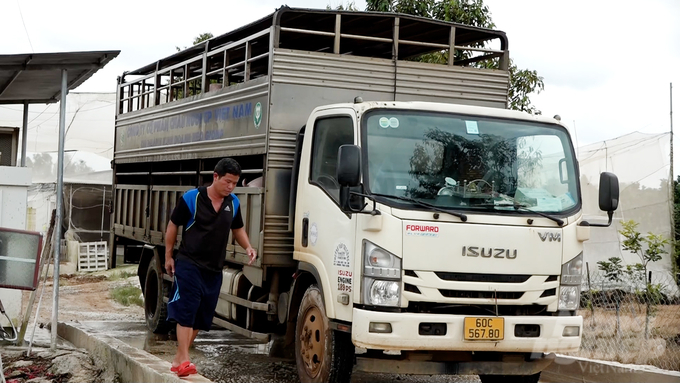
{"points": [[193, 337], [184, 343], [182, 308], [185, 337]]}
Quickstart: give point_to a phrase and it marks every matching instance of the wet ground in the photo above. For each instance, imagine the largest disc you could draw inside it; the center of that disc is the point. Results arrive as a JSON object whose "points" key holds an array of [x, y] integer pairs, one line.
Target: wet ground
{"points": [[220, 355], [66, 364], [225, 357]]}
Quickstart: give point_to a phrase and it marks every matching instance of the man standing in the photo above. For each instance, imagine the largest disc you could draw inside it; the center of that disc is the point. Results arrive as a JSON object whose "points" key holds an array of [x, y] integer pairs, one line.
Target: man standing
{"points": [[206, 215]]}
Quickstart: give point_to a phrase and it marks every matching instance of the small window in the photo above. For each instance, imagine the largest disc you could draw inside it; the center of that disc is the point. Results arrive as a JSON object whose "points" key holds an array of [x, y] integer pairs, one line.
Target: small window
{"points": [[329, 134]]}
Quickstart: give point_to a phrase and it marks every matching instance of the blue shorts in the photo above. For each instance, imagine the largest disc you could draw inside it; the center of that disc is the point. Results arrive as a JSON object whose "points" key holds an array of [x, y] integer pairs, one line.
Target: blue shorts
{"points": [[194, 296]]}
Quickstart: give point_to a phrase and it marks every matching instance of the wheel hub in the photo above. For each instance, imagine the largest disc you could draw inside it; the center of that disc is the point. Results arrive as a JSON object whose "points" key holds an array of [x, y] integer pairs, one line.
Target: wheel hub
{"points": [[312, 341]]}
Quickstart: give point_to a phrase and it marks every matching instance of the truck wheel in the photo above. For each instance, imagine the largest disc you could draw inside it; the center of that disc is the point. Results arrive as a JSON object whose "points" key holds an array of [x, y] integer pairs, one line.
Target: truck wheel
{"points": [[321, 354], [155, 308], [510, 378]]}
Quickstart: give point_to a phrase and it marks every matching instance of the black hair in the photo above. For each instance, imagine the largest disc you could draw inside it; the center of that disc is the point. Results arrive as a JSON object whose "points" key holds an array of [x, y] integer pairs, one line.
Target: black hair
{"points": [[228, 166]]}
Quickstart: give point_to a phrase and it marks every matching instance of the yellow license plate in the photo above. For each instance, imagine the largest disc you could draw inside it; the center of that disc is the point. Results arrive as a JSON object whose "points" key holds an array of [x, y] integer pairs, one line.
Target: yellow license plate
{"points": [[484, 328]]}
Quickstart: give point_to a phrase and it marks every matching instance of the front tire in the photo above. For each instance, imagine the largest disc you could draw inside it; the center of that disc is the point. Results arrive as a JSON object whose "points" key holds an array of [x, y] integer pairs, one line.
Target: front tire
{"points": [[510, 378], [155, 307], [321, 354]]}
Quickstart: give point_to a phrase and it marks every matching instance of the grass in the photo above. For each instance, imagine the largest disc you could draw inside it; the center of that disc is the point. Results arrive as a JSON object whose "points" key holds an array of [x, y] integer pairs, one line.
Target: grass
{"points": [[127, 295], [124, 274], [661, 349]]}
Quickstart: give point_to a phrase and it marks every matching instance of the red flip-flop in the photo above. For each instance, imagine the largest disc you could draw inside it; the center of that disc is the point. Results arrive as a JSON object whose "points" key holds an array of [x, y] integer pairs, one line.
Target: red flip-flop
{"points": [[185, 369], [174, 368]]}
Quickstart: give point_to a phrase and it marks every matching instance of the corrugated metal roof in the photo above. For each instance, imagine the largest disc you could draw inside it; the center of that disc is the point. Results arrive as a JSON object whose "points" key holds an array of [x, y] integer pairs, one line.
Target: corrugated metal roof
{"points": [[36, 77]]}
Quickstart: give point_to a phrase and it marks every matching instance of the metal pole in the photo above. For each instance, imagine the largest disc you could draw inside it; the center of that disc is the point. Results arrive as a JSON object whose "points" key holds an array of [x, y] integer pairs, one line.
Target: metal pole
{"points": [[24, 135], [70, 206], [672, 195], [59, 220], [590, 291], [101, 230]]}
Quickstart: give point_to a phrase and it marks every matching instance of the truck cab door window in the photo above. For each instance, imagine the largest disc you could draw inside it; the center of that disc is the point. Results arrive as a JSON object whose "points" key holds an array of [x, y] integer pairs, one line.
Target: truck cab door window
{"points": [[329, 134]]}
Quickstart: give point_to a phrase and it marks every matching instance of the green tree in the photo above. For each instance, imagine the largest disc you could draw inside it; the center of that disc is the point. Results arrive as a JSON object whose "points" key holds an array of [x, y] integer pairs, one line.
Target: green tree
{"points": [[76, 167], [614, 273], [350, 6], [198, 39], [649, 248], [42, 165], [613, 270], [45, 168], [523, 82], [203, 37]]}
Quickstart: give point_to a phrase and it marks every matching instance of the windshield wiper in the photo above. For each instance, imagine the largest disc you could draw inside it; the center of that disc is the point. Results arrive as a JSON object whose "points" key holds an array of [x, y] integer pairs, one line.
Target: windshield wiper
{"points": [[523, 207], [462, 216]]}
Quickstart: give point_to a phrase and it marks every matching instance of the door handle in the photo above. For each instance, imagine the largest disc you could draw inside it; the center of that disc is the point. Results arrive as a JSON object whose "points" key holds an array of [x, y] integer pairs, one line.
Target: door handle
{"points": [[305, 232]]}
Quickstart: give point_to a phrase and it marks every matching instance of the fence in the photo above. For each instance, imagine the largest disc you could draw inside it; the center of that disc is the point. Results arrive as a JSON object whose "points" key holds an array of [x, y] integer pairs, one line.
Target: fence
{"points": [[630, 322], [92, 256]]}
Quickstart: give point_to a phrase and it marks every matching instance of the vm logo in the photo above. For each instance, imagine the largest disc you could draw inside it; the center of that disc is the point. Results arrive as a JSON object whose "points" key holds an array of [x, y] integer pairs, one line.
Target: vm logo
{"points": [[550, 237]]}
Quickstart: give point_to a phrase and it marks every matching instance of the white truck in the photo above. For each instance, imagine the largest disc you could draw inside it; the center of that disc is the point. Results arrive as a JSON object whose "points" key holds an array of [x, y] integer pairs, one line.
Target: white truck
{"points": [[406, 221]]}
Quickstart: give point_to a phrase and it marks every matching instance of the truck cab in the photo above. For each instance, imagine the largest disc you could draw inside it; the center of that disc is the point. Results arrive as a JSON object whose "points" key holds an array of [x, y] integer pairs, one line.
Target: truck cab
{"points": [[444, 229]]}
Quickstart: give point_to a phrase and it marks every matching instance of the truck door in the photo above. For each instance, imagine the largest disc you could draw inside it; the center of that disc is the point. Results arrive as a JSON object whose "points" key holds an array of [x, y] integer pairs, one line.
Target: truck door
{"points": [[324, 235]]}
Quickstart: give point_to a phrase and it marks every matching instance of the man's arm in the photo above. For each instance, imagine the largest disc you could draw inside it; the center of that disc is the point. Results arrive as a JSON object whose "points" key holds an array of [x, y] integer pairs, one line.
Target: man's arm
{"points": [[241, 238], [170, 239], [179, 217]]}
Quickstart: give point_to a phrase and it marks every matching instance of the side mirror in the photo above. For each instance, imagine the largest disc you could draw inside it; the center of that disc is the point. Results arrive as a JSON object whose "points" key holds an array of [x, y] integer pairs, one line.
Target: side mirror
{"points": [[348, 171], [609, 192]]}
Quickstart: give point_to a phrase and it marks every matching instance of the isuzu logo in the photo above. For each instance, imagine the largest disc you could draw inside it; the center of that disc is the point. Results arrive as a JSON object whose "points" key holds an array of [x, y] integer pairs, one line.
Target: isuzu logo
{"points": [[489, 252], [550, 237]]}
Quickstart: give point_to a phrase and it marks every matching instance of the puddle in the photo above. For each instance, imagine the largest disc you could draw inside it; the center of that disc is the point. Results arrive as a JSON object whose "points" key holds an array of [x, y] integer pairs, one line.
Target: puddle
{"points": [[222, 356], [212, 345]]}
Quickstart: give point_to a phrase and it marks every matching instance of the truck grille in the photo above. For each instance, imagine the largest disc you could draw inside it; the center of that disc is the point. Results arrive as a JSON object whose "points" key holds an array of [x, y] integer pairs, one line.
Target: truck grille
{"points": [[482, 294], [476, 289], [489, 278], [459, 309]]}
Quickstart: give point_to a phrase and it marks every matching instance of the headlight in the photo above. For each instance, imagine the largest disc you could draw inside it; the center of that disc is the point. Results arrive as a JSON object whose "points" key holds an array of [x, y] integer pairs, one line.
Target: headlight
{"points": [[378, 257], [569, 297], [384, 293], [381, 277], [570, 286], [572, 271]]}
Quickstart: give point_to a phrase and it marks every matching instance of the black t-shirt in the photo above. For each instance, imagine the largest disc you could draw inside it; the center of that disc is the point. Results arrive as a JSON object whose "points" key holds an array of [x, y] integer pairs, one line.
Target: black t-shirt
{"points": [[205, 231]]}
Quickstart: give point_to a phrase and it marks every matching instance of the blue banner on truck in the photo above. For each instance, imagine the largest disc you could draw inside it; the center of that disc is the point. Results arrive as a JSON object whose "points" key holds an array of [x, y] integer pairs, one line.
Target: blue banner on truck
{"points": [[206, 124]]}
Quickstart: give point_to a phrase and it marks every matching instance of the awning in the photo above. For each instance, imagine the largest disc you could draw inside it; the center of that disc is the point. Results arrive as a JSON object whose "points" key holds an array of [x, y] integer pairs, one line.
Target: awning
{"points": [[35, 78]]}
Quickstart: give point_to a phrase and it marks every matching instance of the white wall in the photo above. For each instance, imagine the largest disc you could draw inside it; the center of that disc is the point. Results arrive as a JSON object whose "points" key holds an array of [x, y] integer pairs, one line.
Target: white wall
{"points": [[14, 183]]}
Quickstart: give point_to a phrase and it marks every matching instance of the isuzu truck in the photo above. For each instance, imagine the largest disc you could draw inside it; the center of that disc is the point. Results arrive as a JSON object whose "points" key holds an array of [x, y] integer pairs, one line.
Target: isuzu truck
{"points": [[405, 220]]}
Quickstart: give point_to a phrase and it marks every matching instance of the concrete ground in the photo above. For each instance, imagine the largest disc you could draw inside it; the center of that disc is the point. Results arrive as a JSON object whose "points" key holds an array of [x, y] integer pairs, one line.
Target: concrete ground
{"points": [[113, 345]]}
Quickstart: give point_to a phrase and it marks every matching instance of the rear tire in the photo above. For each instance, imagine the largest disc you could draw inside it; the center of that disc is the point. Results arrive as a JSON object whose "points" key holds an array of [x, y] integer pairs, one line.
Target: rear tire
{"points": [[155, 307], [321, 354], [510, 378]]}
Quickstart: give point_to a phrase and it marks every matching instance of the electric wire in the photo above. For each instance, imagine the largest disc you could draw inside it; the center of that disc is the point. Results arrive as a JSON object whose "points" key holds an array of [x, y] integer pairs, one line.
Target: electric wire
{"points": [[25, 29]]}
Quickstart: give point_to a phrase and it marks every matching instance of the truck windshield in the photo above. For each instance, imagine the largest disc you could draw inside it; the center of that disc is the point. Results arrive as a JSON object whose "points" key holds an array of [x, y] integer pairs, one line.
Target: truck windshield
{"points": [[469, 162]]}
